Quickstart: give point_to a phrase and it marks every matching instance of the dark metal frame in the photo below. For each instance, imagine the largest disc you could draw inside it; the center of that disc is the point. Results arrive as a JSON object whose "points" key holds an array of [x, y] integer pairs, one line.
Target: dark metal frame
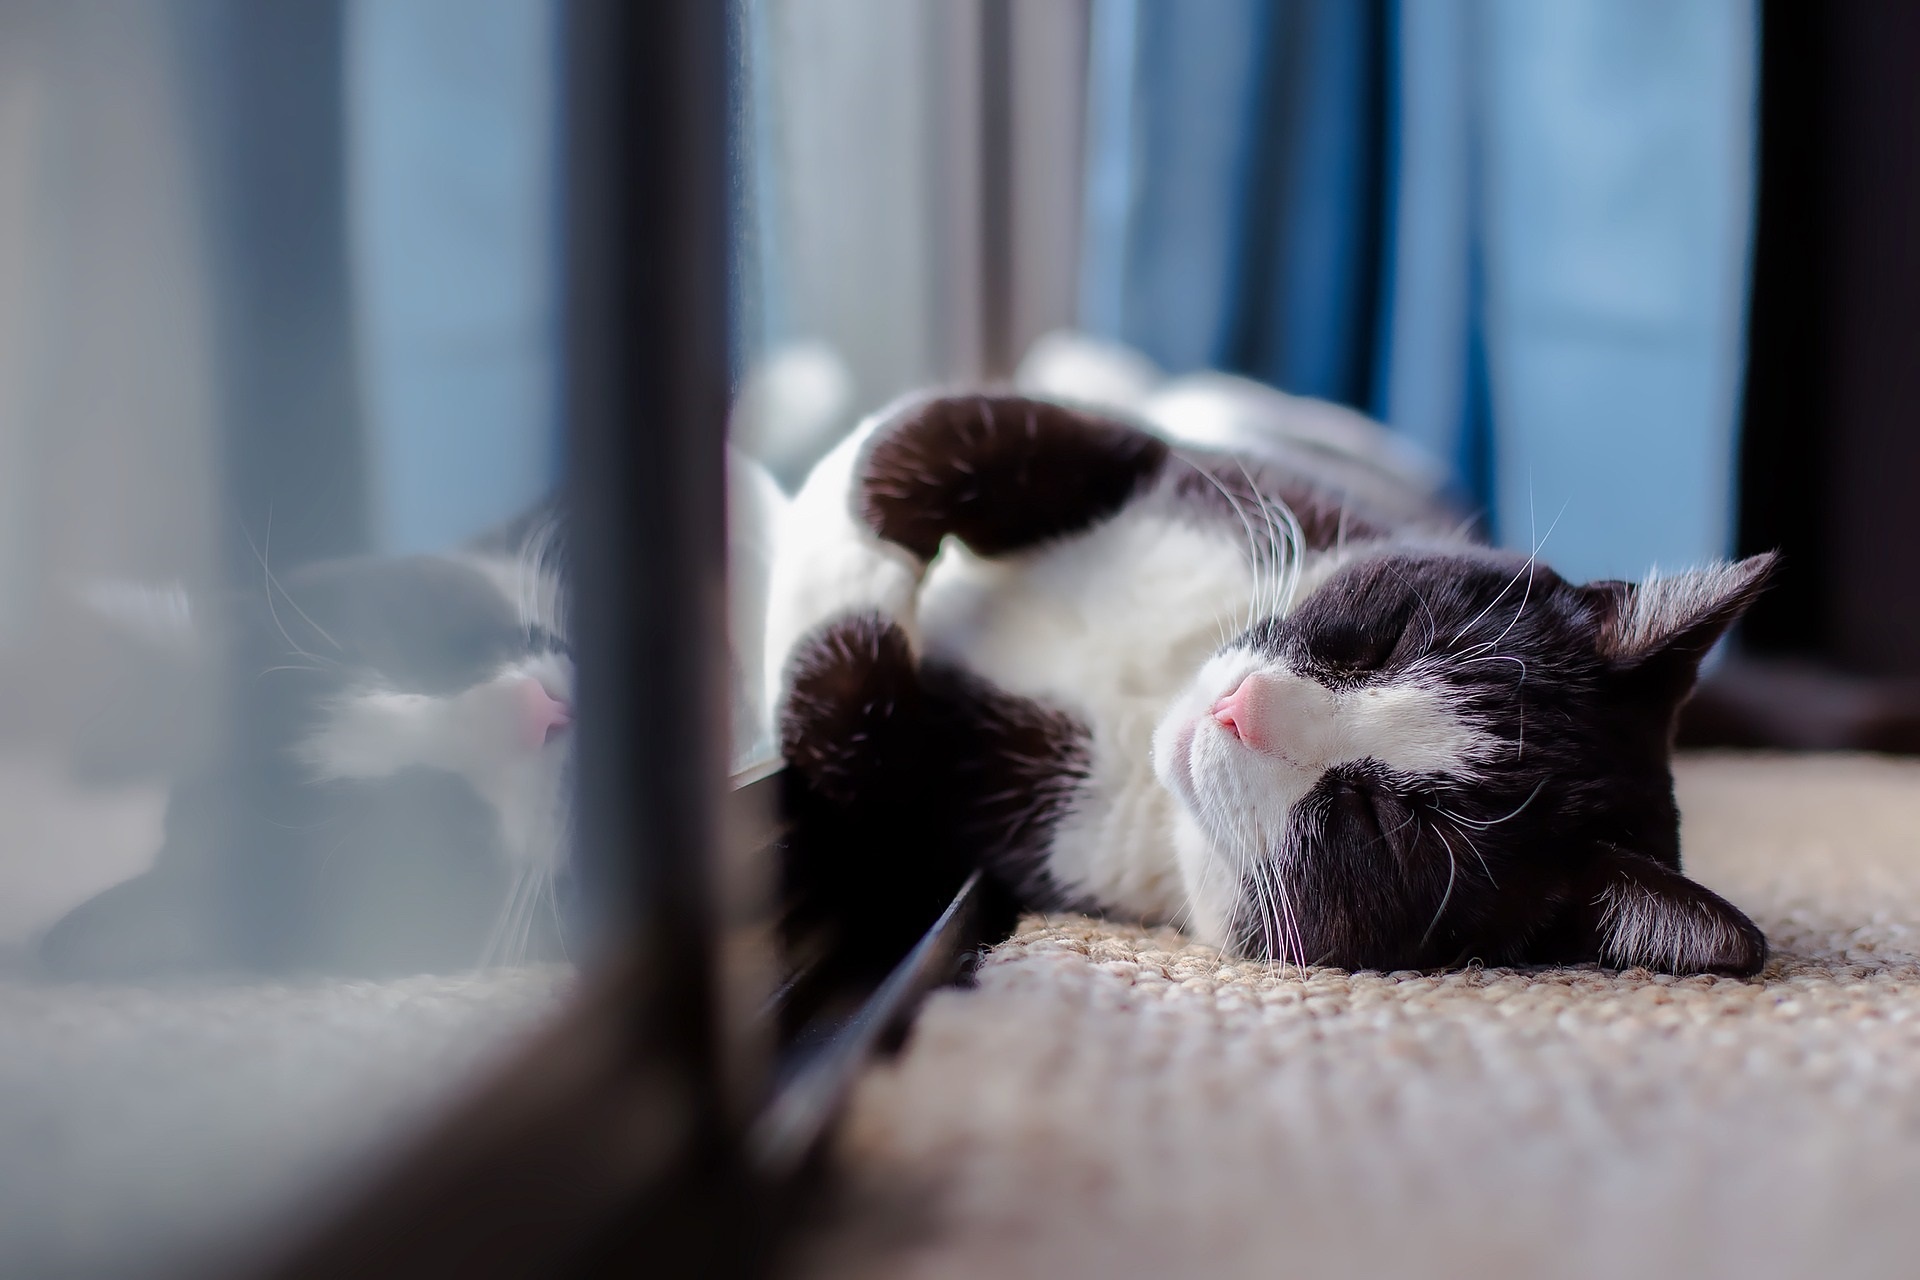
{"points": [[650, 1130]]}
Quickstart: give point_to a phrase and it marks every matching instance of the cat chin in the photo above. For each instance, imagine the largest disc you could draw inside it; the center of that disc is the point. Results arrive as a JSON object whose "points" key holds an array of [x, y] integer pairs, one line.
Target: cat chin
{"points": [[1175, 738], [1212, 884]]}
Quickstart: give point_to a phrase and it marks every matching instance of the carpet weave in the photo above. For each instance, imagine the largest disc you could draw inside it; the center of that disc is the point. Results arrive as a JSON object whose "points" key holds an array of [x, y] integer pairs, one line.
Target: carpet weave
{"points": [[1117, 1102]]}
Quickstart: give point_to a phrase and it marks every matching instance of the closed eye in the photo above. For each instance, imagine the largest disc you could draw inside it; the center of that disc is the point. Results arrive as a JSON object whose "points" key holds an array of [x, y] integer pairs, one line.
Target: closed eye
{"points": [[1355, 651]]}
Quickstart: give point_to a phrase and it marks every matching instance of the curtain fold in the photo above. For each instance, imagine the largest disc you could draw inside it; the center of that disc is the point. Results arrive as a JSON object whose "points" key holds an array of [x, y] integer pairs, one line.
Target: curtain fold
{"points": [[1518, 231]]}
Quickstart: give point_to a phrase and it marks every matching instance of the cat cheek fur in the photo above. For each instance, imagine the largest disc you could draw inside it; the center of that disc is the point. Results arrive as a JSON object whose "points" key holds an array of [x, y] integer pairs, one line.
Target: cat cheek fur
{"points": [[505, 737], [1242, 781]]}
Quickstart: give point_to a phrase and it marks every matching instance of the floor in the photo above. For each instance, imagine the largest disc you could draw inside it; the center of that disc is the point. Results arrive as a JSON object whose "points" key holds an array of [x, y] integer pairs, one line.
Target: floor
{"points": [[1117, 1102], [162, 1129], [1108, 1101]]}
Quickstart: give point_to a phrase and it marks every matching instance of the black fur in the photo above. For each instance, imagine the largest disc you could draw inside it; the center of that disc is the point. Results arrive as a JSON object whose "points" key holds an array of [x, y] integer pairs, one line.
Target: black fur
{"points": [[950, 466], [902, 778], [1505, 867], [1561, 846]]}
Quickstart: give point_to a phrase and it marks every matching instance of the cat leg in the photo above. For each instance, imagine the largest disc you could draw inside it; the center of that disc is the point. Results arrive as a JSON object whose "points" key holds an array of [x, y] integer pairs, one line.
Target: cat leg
{"points": [[871, 856], [1000, 473], [904, 777]]}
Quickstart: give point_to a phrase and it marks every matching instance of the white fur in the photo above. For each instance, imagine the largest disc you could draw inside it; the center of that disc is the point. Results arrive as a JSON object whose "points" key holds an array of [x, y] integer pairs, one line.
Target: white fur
{"points": [[1643, 927], [1104, 627], [755, 507], [1242, 797], [1073, 366], [1116, 627], [1664, 605], [476, 734], [792, 406], [159, 615], [829, 564]]}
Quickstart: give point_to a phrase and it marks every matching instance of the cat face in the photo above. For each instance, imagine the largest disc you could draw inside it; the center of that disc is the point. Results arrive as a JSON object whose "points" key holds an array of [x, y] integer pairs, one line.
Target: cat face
{"points": [[452, 666], [1445, 756], [385, 786]]}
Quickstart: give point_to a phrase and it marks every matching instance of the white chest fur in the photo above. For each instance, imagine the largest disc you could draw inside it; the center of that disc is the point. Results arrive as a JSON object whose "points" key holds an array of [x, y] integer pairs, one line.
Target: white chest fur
{"points": [[1107, 627]]}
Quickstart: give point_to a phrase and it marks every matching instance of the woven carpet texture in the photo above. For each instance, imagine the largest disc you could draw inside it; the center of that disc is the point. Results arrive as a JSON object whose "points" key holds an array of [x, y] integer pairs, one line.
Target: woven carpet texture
{"points": [[1116, 1102]]}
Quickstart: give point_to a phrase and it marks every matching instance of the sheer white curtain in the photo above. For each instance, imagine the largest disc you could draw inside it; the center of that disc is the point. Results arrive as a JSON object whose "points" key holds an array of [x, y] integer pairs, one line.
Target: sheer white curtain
{"points": [[106, 421], [872, 182]]}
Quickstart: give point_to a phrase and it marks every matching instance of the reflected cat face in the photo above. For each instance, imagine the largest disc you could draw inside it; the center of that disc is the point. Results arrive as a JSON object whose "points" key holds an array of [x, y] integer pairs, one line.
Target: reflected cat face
{"points": [[426, 663], [1442, 757], [387, 785]]}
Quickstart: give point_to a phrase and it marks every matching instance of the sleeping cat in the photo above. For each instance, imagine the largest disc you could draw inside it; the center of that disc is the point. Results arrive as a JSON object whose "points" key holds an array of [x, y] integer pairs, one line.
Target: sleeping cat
{"points": [[388, 789], [1183, 685], [1166, 684], [370, 759]]}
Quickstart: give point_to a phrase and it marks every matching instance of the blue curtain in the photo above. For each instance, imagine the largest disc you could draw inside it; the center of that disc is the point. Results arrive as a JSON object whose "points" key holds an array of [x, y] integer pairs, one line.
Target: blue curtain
{"points": [[452, 199], [1518, 230]]}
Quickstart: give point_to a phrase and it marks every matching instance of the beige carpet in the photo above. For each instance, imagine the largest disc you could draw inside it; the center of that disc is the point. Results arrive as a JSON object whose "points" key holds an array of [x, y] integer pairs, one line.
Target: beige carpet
{"points": [[1112, 1102]]}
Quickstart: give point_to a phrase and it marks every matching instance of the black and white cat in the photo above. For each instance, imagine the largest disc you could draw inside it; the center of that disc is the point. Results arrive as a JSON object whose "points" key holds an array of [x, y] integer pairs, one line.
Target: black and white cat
{"points": [[371, 771], [370, 759], [1161, 683], [1183, 685]]}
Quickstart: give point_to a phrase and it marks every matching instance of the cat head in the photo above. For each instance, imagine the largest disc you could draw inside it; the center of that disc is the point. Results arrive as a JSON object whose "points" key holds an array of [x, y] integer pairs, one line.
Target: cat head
{"points": [[377, 751], [1449, 755], [353, 671]]}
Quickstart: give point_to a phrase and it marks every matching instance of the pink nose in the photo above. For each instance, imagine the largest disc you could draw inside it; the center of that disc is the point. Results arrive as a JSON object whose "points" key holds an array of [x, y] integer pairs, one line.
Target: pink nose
{"points": [[1247, 711], [542, 716]]}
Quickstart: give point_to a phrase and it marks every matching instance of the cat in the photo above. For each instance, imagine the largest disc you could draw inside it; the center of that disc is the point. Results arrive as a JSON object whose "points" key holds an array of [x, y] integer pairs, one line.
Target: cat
{"points": [[370, 759], [1182, 685], [381, 781]]}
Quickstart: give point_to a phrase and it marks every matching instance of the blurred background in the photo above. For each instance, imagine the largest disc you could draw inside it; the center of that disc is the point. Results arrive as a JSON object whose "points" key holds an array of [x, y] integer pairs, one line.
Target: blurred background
{"points": [[1640, 275], [1636, 273], [1630, 271]]}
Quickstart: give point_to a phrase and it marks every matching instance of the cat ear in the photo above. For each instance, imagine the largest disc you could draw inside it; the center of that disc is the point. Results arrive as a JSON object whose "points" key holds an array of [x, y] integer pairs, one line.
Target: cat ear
{"points": [[1666, 624], [1632, 912], [155, 616]]}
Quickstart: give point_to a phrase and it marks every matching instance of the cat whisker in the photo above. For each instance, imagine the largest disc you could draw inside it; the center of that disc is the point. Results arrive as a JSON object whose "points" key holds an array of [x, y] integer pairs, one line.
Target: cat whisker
{"points": [[1525, 596], [293, 646], [1433, 623], [1271, 926], [496, 950], [529, 911], [1500, 657], [1483, 824], [1296, 943], [1453, 871], [1526, 569], [263, 554], [1288, 581], [1472, 848], [1254, 561]]}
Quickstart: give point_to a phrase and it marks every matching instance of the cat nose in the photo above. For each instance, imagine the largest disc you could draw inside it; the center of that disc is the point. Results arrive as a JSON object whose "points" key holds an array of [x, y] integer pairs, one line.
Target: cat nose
{"points": [[1245, 712], [543, 717], [1271, 712]]}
